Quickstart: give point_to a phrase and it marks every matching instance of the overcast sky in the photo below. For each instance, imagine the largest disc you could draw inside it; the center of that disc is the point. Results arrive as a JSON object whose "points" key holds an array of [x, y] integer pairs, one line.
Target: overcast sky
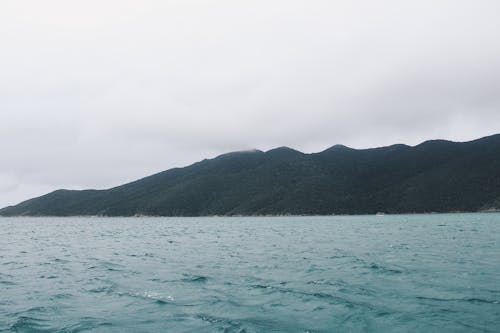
{"points": [[96, 93]]}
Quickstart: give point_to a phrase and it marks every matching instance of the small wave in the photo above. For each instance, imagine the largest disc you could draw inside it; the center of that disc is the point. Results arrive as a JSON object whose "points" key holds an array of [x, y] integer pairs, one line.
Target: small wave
{"points": [[195, 278], [49, 277], [7, 283], [261, 286], [30, 320], [384, 270], [225, 324], [10, 263], [62, 296], [30, 324], [152, 295], [243, 325], [86, 324], [467, 300], [326, 283], [320, 295], [110, 266], [343, 287], [103, 289], [61, 261]]}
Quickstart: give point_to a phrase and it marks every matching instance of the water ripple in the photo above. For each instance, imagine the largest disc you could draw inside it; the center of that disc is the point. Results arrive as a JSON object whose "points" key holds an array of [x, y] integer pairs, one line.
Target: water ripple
{"points": [[416, 273]]}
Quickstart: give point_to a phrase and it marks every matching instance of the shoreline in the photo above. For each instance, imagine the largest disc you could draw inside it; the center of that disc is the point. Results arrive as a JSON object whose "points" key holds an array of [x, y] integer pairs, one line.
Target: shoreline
{"points": [[248, 216]]}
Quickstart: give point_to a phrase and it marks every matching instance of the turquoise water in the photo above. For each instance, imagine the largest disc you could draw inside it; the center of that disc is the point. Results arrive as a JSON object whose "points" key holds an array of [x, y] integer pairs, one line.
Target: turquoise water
{"points": [[406, 273]]}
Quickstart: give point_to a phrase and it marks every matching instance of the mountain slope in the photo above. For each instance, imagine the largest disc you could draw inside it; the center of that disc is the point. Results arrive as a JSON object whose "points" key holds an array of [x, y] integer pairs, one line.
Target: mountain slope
{"points": [[435, 176]]}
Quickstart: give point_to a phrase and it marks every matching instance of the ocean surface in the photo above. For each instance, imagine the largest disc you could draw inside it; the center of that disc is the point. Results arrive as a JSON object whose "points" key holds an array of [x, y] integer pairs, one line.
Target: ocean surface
{"points": [[402, 273]]}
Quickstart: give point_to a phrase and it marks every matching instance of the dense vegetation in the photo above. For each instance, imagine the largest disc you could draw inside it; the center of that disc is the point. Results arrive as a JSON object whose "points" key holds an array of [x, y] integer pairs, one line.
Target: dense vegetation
{"points": [[435, 176]]}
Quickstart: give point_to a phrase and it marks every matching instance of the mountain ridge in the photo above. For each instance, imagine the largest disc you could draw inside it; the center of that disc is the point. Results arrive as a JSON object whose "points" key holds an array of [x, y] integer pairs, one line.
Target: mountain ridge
{"points": [[433, 176]]}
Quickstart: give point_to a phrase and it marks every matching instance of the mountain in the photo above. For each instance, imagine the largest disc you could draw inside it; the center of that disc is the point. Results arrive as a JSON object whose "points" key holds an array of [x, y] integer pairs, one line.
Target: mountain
{"points": [[435, 176]]}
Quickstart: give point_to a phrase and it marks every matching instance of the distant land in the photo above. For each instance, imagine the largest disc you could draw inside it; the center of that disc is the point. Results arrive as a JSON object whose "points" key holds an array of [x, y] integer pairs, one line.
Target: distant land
{"points": [[434, 176]]}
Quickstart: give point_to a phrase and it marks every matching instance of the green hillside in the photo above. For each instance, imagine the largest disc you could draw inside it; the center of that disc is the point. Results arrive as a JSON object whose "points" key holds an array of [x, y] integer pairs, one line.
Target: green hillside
{"points": [[435, 176]]}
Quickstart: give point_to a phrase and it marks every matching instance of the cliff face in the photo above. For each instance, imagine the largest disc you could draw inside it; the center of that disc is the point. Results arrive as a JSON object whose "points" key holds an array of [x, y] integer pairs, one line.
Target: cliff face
{"points": [[435, 176]]}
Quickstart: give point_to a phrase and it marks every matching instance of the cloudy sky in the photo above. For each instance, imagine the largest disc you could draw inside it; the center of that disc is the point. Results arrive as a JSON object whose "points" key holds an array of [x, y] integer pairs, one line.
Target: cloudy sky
{"points": [[96, 93]]}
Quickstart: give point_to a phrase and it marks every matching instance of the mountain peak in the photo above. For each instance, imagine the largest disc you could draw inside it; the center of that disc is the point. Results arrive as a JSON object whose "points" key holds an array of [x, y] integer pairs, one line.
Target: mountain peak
{"points": [[283, 149], [240, 153], [337, 148]]}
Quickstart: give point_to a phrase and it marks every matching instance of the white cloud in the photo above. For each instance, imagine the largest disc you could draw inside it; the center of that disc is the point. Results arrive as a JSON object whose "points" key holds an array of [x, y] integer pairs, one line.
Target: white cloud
{"points": [[96, 93]]}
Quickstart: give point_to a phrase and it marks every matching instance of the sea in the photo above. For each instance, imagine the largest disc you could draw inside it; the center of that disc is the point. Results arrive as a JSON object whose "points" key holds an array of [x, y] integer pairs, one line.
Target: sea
{"points": [[391, 273]]}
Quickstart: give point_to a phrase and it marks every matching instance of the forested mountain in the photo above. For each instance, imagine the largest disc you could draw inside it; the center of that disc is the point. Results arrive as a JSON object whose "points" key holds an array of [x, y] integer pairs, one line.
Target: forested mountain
{"points": [[435, 176]]}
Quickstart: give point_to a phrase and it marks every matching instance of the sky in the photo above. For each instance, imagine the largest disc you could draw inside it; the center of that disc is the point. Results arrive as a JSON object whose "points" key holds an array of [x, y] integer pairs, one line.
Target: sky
{"points": [[97, 93]]}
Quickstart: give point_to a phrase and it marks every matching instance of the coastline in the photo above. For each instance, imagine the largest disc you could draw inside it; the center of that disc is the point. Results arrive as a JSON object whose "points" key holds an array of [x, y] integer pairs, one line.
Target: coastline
{"points": [[489, 211]]}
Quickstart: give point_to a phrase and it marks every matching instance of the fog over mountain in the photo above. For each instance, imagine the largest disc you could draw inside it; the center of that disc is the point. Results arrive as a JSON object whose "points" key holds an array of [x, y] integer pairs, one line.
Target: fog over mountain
{"points": [[98, 93]]}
